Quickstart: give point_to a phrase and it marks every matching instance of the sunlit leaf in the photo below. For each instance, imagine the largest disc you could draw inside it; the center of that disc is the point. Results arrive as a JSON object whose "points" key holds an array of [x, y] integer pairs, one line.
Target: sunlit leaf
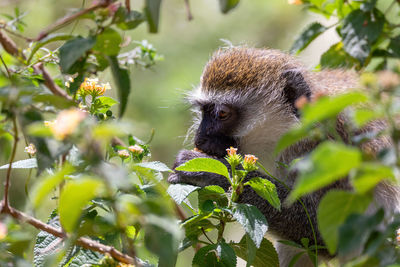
{"points": [[252, 220], [179, 192], [48, 39], [266, 190], [204, 165], [108, 42], [308, 35], [369, 174], [22, 164], [74, 197], [328, 163]]}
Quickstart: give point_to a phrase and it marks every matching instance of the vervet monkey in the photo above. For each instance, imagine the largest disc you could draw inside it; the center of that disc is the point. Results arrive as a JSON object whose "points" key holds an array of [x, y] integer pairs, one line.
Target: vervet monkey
{"points": [[246, 99]]}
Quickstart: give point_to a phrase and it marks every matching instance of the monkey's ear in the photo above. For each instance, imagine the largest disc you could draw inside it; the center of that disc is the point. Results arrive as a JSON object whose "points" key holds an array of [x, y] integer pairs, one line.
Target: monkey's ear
{"points": [[295, 87]]}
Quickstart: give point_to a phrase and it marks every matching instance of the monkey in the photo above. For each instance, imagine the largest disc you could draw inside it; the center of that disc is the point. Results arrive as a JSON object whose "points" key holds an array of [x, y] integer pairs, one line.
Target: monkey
{"points": [[247, 99]]}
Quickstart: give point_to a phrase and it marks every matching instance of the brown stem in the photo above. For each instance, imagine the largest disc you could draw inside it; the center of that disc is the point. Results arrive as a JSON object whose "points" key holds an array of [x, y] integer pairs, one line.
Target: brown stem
{"points": [[5, 66], [188, 12], [5, 202], [49, 82], [83, 241], [8, 44], [68, 19], [17, 35], [128, 5]]}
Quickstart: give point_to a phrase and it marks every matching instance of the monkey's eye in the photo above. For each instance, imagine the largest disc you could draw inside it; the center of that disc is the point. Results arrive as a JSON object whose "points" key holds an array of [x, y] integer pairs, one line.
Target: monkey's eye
{"points": [[223, 113]]}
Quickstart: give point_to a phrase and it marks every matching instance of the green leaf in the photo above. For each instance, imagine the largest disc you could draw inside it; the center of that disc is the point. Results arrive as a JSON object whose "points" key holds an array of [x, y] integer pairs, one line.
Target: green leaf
{"points": [[359, 31], [108, 42], [292, 136], [85, 257], [308, 35], [227, 5], [155, 165], [74, 197], [333, 210], [354, 233], [266, 190], [336, 57], [121, 79], [48, 39], [46, 244], [48, 183], [204, 165], [252, 220], [73, 50], [54, 100], [213, 193], [179, 192], [266, 255], [22, 164], [152, 12], [130, 20], [329, 107], [328, 163], [220, 254], [394, 46], [369, 174], [363, 116]]}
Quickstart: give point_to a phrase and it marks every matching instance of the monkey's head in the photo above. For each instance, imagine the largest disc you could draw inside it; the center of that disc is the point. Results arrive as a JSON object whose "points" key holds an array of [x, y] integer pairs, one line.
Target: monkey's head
{"points": [[246, 99]]}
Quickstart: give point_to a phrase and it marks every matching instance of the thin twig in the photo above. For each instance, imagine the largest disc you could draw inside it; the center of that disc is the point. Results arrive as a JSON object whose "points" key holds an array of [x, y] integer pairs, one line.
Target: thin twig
{"points": [[204, 233], [188, 12], [17, 34], [5, 66], [49, 82], [68, 19], [83, 241], [6, 206], [128, 5]]}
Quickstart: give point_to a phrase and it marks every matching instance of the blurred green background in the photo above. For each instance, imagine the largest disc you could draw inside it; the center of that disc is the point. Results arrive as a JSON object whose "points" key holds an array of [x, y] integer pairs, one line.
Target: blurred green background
{"points": [[157, 94]]}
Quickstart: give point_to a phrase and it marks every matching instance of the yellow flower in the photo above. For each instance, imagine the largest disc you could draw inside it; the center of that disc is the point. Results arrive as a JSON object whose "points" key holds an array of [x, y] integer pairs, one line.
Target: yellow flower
{"points": [[249, 163], [136, 149], [66, 123], [31, 149], [123, 153], [93, 88], [295, 2], [3, 230], [233, 158]]}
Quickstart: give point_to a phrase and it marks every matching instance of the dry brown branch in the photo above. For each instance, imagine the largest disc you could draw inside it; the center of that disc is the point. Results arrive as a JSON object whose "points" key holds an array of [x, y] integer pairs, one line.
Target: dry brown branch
{"points": [[8, 44], [83, 241], [188, 12], [65, 20], [49, 82]]}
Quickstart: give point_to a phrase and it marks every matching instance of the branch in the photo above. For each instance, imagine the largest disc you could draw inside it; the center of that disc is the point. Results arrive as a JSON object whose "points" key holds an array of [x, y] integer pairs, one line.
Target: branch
{"points": [[49, 82], [128, 5], [9, 45], [68, 19], [5, 203], [83, 241], [188, 12]]}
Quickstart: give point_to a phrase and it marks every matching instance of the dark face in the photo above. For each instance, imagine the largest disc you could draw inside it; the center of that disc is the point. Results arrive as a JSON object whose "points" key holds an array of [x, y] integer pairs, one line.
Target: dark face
{"points": [[214, 134]]}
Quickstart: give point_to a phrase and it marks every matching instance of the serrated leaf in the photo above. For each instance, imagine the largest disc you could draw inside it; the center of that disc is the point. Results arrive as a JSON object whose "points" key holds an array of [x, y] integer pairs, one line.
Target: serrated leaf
{"points": [[74, 197], [46, 244], [204, 165], [227, 5], [22, 164], [122, 81], [155, 165], [252, 220], [308, 35], [266, 190], [108, 42], [359, 31], [85, 257], [265, 256], [333, 210], [152, 11], [179, 192], [48, 183], [220, 254], [327, 163], [73, 50], [336, 57], [48, 39], [212, 193]]}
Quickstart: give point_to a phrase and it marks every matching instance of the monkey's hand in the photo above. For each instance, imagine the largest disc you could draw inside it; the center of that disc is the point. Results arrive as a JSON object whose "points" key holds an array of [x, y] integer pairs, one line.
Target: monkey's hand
{"points": [[196, 178]]}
